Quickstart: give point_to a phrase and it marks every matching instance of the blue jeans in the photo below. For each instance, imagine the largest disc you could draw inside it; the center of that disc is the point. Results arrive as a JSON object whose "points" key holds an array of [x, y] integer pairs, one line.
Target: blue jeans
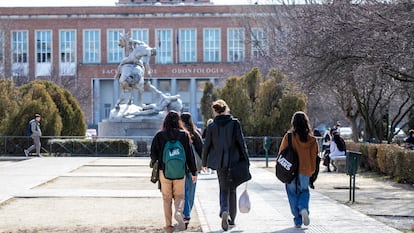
{"points": [[228, 195], [189, 195], [298, 197]]}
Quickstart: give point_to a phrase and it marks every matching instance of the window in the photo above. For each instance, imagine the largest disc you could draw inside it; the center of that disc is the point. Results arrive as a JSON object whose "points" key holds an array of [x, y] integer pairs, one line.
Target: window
{"points": [[19, 53], [43, 46], [259, 42], [212, 51], [91, 46], [1, 53], [183, 85], [187, 44], [67, 52], [43, 53], [115, 53], [164, 46], [235, 44], [141, 35], [164, 85]]}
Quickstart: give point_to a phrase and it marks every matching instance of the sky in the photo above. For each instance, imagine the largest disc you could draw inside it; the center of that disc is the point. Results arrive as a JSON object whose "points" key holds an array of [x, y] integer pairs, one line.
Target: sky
{"points": [[40, 3]]}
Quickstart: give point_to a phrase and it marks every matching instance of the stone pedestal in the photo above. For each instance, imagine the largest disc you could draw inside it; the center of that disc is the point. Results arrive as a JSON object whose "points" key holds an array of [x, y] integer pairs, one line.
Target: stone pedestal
{"points": [[122, 123], [129, 128]]}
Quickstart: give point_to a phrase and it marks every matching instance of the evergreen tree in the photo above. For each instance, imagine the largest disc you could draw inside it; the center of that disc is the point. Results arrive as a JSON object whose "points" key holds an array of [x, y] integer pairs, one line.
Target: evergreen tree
{"points": [[235, 95], [263, 108], [61, 113], [209, 95], [36, 100], [8, 102]]}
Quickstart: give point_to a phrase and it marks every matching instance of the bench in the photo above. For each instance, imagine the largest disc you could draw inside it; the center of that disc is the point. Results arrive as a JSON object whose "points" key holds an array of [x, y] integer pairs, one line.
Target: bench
{"points": [[339, 162]]}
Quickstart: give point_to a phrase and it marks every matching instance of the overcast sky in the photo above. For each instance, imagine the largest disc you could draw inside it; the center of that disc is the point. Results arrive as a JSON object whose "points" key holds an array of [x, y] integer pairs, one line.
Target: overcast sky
{"points": [[20, 3]]}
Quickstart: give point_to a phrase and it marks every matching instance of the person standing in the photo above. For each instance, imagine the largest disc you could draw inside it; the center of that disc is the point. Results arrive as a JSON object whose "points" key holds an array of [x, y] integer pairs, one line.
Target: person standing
{"points": [[190, 186], [173, 189], [306, 146], [224, 144], [36, 133]]}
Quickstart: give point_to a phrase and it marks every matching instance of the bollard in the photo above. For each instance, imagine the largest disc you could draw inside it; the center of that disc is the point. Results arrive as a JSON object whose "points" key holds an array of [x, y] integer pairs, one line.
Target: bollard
{"points": [[266, 146]]}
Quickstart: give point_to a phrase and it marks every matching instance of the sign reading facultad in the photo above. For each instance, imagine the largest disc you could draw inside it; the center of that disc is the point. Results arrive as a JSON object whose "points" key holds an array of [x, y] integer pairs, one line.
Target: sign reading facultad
{"points": [[175, 71]]}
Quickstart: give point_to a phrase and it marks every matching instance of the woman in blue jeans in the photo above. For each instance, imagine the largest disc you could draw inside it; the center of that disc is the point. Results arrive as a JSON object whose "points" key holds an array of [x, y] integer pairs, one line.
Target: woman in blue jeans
{"points": [[306, 146], [190, 186]]}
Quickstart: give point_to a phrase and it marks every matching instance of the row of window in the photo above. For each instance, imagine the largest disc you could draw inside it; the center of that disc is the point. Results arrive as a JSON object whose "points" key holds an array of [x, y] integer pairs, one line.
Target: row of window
{"points": [[185, 39]]}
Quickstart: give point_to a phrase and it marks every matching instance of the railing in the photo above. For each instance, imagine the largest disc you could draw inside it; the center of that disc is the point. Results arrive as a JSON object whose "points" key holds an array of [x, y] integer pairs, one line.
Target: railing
{"points": [[76, 146], [53, 146]]}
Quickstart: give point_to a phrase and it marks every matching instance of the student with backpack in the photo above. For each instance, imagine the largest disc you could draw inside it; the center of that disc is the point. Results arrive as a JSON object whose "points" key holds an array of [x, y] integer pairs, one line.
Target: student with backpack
{"points": [[34, 131], [171, 148], [306, 147]]}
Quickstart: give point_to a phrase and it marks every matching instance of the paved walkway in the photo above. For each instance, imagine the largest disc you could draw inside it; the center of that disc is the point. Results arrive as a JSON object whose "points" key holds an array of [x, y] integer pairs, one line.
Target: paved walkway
{"points": [[270, 212]]}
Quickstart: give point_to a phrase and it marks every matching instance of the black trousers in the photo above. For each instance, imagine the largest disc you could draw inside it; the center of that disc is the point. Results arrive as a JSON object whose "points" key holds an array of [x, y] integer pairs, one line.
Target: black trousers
{"points": [[228, 195]]}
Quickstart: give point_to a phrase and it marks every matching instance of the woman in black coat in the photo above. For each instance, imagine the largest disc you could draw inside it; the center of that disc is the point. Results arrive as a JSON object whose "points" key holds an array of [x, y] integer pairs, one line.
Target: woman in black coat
{"points": [[224, 145]]}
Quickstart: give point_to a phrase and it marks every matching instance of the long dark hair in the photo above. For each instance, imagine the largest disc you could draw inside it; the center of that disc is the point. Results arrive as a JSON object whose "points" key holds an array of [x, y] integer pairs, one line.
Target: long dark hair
{"points": [[301, 126], [172, 123], [189, 124]]}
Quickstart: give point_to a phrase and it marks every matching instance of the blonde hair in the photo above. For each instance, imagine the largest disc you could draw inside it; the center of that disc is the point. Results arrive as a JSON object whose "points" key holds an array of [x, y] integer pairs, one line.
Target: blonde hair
{"points": [[220, 106]]}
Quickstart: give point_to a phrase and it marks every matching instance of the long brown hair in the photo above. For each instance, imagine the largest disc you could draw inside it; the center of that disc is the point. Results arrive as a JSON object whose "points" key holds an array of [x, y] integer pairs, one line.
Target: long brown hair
{"points": [[189, 124], [301, 126], [172, 122]]}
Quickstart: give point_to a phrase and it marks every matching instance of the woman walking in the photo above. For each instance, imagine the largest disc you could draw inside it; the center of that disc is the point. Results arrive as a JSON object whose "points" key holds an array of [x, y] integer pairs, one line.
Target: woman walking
{"points": [[306, 147], [190, 186], [173, 188], [224, 144]]}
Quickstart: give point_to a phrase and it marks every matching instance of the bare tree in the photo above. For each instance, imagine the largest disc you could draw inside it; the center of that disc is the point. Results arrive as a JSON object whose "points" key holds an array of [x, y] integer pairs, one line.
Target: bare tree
{"points": [[361, 51]]}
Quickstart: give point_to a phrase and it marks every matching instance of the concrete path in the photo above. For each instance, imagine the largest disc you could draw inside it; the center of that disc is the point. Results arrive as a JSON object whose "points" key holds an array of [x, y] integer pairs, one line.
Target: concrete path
{"points": [[270, 209]]}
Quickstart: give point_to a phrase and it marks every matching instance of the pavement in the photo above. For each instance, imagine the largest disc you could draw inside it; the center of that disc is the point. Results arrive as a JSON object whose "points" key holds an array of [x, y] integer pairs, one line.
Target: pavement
{"points": [[270, 212]]}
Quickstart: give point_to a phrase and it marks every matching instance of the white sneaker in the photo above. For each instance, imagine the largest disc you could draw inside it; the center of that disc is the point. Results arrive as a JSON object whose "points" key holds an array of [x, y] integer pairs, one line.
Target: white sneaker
{"points": [[305, 217], [180, 221], [26, 152]]}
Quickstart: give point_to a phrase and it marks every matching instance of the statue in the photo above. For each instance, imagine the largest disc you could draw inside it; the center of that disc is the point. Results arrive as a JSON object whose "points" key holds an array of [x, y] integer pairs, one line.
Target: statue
{"points": [[130, 73], [128, 119], [131, 69]]}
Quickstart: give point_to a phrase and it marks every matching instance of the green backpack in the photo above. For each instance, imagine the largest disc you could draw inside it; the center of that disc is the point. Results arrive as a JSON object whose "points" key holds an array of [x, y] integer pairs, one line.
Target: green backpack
{"points": [[174, 160]]}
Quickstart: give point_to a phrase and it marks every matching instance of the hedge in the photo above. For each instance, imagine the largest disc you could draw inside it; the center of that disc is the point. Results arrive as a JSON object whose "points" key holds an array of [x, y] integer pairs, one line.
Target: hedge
{"points": [[388, 159]]}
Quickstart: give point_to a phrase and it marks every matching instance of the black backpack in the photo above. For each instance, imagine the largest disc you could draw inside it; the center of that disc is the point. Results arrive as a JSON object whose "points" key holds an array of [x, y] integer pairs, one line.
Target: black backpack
{"points": [[287, 163]]}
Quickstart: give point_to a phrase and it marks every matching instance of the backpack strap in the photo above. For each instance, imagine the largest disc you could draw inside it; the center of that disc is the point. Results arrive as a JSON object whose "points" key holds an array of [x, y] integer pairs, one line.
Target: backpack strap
{"points": [[290, 140], [290, 145]]}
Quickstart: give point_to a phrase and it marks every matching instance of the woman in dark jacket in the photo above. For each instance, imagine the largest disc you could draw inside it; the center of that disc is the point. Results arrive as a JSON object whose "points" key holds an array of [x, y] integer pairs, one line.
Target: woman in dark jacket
{"points": [[224, 144], [172, 129]]}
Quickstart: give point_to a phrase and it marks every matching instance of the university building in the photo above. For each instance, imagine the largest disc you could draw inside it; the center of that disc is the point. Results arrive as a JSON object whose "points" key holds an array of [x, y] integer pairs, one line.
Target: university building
{"points": [[196, 41]]}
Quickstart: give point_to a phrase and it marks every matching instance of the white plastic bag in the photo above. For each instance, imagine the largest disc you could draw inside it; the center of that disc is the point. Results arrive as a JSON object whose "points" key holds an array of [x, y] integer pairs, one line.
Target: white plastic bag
{"points": [[244, 201]]}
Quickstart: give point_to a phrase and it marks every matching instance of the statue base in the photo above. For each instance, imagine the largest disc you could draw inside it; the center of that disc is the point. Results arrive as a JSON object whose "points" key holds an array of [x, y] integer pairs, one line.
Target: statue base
{"points": [[123, 123]]}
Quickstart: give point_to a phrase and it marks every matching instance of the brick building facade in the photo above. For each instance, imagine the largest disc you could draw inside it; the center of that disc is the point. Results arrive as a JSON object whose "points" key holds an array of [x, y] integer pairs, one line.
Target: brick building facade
{"points": [[196, 42]]}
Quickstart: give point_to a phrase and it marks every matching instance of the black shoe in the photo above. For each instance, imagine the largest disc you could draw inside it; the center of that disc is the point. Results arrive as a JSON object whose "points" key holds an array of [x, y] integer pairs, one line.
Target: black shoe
{"points": [[186, 222], [224, 221], [231, 223], [311, 186]]}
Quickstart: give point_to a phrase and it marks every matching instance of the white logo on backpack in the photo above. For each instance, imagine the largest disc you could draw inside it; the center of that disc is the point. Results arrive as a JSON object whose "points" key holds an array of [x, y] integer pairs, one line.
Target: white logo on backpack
{"points": [[286, 164]]}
